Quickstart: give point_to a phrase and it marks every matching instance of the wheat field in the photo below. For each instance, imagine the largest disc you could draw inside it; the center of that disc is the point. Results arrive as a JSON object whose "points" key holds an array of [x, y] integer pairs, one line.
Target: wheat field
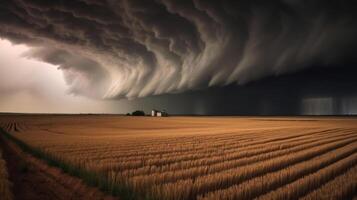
{"points": [[182, 158]]}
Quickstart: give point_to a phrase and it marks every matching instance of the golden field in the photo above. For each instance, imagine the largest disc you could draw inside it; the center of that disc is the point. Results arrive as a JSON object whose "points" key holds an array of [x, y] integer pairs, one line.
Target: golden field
{"points": [[200, 157]]}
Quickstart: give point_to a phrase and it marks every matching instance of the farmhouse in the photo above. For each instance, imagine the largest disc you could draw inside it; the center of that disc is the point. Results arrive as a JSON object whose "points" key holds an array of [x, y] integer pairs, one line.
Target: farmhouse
{"points": [[157, 113]]}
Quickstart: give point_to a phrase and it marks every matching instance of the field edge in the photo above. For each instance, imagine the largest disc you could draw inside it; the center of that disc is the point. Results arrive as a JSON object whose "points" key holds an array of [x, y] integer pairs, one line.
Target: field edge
{"points": [[89, 178]]}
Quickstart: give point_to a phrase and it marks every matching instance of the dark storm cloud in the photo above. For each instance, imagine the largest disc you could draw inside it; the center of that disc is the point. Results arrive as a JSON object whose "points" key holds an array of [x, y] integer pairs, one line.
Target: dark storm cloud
{"points": [[85, 76], [319, 90], [135, 48]]}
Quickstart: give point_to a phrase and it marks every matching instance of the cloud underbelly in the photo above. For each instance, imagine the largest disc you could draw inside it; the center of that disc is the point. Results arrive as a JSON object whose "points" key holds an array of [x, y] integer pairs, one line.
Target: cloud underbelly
{"points": [[135, 48]]}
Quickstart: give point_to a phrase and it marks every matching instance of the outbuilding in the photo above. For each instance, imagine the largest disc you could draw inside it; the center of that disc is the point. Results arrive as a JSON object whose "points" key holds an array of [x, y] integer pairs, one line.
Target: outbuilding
{"points": [[156, 113]]}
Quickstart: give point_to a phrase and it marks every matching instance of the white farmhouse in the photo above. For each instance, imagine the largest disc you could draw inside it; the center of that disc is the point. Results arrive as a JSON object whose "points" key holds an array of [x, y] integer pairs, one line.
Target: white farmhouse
{"points": [[153, 113]]}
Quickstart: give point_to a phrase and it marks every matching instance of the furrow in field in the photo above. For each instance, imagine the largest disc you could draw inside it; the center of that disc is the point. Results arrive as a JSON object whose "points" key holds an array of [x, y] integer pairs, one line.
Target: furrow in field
{"points": [[271, 181], [153, 142], [112, 155], [205, 148], [142, 161], [230, 159], [138, 154], [153, 148], [158, 160], [342, 187], [128, 152], [227, 178], [280, 151], [209, 144], [311, 182]]}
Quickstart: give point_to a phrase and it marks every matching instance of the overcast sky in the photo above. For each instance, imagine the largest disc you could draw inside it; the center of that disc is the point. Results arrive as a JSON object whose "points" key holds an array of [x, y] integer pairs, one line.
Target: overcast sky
{"points": [[116, 56]]}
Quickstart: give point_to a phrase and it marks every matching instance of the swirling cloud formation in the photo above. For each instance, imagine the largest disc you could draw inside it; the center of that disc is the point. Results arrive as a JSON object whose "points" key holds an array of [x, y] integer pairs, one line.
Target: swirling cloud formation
{"points": [[136, 48]]}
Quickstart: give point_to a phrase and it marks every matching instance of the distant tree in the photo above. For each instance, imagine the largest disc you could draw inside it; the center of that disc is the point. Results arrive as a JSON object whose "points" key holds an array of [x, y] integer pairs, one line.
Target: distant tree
{"points": [[164, 113], [127, 114], [138, 113]]}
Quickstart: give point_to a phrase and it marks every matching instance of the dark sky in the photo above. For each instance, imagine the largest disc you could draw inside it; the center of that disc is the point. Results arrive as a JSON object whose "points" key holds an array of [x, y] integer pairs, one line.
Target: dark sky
{"points": [[319, 90], [188, 56]]}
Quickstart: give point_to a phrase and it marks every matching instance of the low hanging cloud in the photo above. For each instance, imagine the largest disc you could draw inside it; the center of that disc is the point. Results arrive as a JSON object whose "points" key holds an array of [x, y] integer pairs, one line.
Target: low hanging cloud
{"points": [[136, 48]]}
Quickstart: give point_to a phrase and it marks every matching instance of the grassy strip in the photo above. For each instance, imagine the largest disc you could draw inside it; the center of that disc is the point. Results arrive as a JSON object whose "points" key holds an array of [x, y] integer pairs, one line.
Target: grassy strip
{"points": [[90, 178], [5, 184]]}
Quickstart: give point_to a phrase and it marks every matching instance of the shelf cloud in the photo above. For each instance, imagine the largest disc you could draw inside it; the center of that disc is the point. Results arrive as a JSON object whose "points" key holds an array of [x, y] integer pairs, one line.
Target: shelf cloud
{"points": [[137, 48]]}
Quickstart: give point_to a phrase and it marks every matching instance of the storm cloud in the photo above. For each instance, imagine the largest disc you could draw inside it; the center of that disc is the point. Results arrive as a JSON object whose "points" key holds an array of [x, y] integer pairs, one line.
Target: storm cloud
{"points": [[137, 48]]}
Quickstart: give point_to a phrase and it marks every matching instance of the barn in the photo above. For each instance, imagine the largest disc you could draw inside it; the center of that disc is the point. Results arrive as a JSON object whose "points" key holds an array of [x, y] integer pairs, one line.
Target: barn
{"points": [[157, 113]]}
